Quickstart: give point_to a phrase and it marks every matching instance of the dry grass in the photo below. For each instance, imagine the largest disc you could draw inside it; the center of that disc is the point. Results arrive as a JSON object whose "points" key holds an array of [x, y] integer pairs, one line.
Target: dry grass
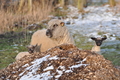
{"points": [[9, 14]]}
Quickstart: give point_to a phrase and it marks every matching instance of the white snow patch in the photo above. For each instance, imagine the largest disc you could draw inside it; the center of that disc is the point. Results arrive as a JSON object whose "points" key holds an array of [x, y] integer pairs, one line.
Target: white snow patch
{"points": [[77, 66], [33, 68], [68, 71], [43, 76], [48, 68], [54, 58], [82, 60], [60, 72], [25, 65]]}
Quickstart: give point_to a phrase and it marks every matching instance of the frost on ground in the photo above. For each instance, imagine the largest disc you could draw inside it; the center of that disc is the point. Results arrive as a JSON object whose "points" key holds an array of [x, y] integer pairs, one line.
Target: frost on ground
{"points": [[96, 22], [96, 19], [64, 62]]}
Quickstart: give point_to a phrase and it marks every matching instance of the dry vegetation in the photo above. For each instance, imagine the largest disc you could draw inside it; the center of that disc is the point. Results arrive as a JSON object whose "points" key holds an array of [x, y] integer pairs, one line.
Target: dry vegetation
{"points": [[9, 13]]}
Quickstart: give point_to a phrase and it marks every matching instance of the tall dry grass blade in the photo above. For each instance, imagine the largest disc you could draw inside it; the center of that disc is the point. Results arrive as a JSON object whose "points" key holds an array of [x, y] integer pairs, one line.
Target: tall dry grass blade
{"points": [[20, 5], [62, 3], [112, 3], [80, 5], [30, 5]]}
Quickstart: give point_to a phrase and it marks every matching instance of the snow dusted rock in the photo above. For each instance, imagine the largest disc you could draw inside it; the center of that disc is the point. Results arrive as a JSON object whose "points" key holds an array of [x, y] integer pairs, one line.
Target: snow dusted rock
{"points": [[64, 62]]}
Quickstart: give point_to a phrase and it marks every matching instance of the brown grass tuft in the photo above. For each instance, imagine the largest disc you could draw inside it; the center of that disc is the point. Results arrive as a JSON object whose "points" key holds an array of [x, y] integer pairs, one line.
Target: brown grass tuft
{"points": [[10, 15]]}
